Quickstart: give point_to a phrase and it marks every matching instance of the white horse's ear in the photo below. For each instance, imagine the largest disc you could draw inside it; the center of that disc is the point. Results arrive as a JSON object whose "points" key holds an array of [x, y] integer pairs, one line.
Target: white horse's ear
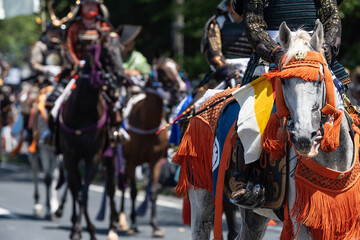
{"points": [[317, 39], [284, 36]]}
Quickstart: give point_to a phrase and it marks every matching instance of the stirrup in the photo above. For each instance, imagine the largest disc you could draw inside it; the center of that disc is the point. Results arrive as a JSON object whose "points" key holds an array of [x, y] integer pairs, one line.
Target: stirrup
{"points": [[251, 197]]}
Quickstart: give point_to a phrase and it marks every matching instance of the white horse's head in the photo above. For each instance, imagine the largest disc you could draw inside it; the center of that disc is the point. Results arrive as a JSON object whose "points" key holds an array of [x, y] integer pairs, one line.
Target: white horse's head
{"points": [[304, 99]]}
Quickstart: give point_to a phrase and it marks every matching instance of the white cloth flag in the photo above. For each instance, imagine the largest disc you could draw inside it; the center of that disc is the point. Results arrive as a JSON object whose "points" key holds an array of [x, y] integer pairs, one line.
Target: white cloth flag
{"points": [[12, 8]]}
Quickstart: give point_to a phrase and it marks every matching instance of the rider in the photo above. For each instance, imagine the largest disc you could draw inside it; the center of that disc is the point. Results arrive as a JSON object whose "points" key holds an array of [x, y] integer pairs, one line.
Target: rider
{"points": [[134, 62], [224, 44], [89, 16], [262, 22], [45, 55]]}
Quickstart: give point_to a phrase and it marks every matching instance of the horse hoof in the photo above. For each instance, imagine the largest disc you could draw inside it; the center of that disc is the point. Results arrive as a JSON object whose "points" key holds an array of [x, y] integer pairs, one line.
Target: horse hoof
{"points": [[158, 234], [123, 225], [113, 235], [75, 236], [132, 231], [59, 213], [38, 210]]}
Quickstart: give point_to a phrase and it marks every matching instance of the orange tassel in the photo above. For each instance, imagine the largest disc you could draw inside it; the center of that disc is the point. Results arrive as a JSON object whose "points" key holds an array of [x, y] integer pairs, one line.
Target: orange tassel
{"points": [[287, 232], [195, 156], [330, 140], [274, 138]]}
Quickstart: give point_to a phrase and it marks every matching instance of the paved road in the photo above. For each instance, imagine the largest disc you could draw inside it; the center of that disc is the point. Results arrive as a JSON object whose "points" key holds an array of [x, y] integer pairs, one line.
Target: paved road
{"points": [[18, 223]]}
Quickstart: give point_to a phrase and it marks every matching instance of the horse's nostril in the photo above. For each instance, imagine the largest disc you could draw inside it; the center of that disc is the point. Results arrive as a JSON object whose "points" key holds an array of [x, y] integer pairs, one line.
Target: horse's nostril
{"points": [[304, 143], [313, 134]]}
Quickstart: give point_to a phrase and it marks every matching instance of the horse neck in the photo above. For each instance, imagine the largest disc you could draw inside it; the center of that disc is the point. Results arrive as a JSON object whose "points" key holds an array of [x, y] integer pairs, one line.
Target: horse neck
{"points": [[151, 112], [343, 158], [83, 102]]}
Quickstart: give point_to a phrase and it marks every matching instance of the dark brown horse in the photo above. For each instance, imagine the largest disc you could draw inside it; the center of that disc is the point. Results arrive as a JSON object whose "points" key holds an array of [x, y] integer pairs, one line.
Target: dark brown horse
{"points": [[83, 128], [145, 146]]}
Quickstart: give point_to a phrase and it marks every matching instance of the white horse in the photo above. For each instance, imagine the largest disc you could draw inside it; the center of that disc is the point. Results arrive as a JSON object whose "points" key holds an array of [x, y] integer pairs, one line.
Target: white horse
{"points": [[304, 101], [46, 153]]}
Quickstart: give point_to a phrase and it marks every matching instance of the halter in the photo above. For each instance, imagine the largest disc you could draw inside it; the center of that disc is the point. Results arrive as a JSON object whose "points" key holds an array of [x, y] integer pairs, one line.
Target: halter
{"points": [[308, 67]]}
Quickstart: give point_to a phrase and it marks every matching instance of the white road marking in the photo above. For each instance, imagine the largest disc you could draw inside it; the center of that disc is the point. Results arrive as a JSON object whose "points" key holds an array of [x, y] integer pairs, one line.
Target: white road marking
{"points": [[6, 213]]}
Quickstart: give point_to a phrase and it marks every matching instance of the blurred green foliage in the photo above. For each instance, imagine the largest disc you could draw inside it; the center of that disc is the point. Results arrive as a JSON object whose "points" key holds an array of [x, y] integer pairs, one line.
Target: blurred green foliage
{"points": [[156, 17]]}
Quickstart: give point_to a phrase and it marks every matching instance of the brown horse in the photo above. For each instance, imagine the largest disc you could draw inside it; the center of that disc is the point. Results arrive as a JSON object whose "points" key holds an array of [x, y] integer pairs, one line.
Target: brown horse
{"points": [[83, 129], [145, 146]]}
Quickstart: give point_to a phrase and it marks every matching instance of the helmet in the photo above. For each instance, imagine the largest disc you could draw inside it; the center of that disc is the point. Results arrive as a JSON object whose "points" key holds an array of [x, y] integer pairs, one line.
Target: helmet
{"points": [[53, 34], [128, 33], [104, 12]]}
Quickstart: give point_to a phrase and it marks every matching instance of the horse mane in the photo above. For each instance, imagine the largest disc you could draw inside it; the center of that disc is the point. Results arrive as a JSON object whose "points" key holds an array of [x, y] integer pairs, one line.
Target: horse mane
{"points": [[300, 44]]}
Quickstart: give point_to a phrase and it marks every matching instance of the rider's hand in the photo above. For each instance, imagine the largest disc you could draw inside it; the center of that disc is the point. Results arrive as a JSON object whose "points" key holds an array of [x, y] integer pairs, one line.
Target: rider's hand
{"points": [[326, 51], [276, 56], [230, 72]]}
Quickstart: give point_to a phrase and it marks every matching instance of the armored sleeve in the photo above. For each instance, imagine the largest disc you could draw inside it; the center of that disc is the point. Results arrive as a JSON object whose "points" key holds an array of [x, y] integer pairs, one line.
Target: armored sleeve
{"points": [[37, 57], [211, 45], [255, 29], [329, 16], [70, 41]]}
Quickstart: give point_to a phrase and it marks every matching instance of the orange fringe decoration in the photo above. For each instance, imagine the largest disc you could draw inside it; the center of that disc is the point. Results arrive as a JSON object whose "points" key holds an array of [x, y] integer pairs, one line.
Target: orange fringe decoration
{"points": [[196, 148], [308, 69], [195, 156], [328, 201], [274, 138]]}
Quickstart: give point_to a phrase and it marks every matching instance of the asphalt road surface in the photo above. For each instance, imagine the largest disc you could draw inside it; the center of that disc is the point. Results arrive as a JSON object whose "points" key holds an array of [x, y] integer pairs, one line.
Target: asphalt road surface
{"points": [[18, 223]]}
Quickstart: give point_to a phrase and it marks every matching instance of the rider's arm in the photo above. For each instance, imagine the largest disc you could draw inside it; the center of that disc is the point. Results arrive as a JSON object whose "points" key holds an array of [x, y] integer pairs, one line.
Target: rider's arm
{"points": [[330, 18], [212, 47], [37, 57], [255, 28], [69, 44]]}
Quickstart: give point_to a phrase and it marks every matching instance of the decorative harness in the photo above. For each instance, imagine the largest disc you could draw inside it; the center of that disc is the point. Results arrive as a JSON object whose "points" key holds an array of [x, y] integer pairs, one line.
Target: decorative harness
{"points": [[97, 80], [326, 200]]}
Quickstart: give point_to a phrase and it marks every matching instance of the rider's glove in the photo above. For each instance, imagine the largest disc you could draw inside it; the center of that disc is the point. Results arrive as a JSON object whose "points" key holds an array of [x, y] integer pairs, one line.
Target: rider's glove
{"points": [[327, 52], [229, 71], [276, 56]]}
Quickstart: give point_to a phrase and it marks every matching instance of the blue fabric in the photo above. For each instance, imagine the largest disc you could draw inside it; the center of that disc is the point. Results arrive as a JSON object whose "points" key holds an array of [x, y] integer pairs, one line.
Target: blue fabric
{"points": [[226, 120], [18, 125], [175, 129]]}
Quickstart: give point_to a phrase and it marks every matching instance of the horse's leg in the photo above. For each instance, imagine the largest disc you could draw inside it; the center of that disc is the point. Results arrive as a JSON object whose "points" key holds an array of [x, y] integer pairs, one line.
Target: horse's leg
{"points": [[133, 193], [154, 179], [74, 182], [253, 225], [35, 168], [110, 189], [60, 210], [48, 163], [89, 168], [202, 213], [123, 225], [230, 213]]}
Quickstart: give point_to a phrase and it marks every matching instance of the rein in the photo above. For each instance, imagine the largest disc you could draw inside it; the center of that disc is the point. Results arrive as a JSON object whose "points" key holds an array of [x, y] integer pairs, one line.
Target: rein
{"points": [[92, 128]]}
